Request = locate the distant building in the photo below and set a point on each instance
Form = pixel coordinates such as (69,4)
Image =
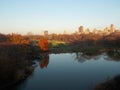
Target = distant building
(87,31)
(112,28)
(100,32)
(95,31)
(117,31)
(109,30)
(29,33)
(46,33)
(106,31)
(81,29)
(64,32)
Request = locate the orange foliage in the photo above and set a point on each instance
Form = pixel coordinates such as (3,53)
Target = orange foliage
(43,43)
(18,39)
(44,63)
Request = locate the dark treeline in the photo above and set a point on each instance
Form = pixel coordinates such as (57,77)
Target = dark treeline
(86,42)
(76,42)
(96,43)
(16,55)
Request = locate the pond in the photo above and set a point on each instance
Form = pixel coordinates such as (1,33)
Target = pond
(70,71)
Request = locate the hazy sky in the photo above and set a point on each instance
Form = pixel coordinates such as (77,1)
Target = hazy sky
(22,16)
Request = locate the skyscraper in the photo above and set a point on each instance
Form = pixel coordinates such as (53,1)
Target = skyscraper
(112,28)
(81,29)
(46,33)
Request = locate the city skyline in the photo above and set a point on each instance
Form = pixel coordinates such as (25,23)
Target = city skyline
(22,16)
(82,30)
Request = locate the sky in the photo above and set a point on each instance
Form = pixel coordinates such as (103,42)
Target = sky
(57,16)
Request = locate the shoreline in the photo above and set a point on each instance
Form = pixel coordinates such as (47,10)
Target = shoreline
(10,85)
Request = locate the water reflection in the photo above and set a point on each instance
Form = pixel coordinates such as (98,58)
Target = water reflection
(96,69)
(44,60)
(79,57)
(82,57)
(65,74)
(113,55)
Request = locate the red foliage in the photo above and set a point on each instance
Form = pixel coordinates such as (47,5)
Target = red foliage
(43,43)
(44,63)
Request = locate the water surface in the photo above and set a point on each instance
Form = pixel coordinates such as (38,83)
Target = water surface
(70,71)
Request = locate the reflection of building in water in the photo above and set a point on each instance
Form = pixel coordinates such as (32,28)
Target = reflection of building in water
(45,60)
(113,55)
(93,57)
(80,58)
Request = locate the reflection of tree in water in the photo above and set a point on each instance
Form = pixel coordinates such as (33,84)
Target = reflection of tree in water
(82,57)
(79,57)
(44,61)
(113,55)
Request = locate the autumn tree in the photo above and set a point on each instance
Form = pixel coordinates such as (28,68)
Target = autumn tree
(43,43)
(18,39)
(45,60)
